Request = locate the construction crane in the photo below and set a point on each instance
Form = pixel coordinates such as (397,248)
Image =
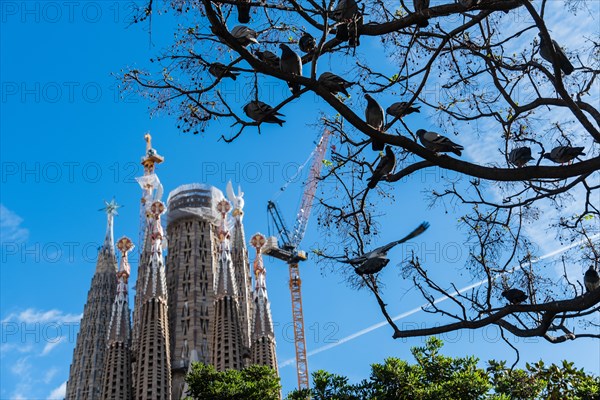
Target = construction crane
(290,253)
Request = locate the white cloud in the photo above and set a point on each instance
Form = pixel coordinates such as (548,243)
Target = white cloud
(32,316)
(51,345)
(10,226)
(51,373)
(21,367)
(58,393)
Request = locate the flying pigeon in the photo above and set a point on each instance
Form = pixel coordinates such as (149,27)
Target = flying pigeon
(384,168)
(401,109)
(564,154)
(262,112)
(372,265)
(292,64)
(268,57)
(514,296)
(420,6)
(383,250)
(520,156)
(219,70)
(374,117)
(438,143)
(244,35)
(563,61)
(243,12)
(307,43)
(334,83)
(591,279)
(345,10)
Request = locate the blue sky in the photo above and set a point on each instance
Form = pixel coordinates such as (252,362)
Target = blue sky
(69,141)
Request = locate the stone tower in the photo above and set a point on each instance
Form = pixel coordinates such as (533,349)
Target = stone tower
(263,337)
(86,374)
(192,228)
(227,340)
(241,268)
(153,359)
(151,191)
(117,382)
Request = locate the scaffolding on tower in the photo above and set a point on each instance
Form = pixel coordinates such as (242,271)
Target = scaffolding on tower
(290,253)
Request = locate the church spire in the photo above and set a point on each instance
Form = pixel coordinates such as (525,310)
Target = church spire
(227,342)
(263,336)
(111,211)
(86,373)
(117,381)
(152,354)
(241,265)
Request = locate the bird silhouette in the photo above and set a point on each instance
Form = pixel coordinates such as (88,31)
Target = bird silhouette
(384,168)
(290,63)
(438,143)
(219,70)
(563,61)
(244,35)
(307,43)
(383,250)
(401,109)
(564,154)
(262,112)
(591,279)
(520,156)
(374,117)
(514,296)
(334,83)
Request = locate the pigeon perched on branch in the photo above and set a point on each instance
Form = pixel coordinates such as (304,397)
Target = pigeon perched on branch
(514,296)
(564,154)
(291,63)
(591,279)
(401,109)
(420,6)
(383,250)
(345,10)
(243,12)
(219,70)
(244,35)
(520,156)
(384,168)
(374,117)
(438,143)
(307,43)
(563,61)
(334,83)
(268,57)
(262,112)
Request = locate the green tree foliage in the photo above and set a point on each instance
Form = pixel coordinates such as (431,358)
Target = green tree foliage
(435,376)
(253,383)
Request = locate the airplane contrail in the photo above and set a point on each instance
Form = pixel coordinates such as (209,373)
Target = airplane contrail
(436,301)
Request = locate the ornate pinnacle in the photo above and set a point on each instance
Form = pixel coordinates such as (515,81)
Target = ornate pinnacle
(223,208)
(125,245)
(258,241)
(151,157)
(111,211)
(156,210)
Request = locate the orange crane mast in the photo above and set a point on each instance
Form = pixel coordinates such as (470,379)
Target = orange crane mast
(290,253)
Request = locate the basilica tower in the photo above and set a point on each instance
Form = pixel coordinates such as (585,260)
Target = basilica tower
(86,374)
(227,343)
(263,337)
(117,382)
(153,361)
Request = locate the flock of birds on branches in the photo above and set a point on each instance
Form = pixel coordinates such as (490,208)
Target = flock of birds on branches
(348,16)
